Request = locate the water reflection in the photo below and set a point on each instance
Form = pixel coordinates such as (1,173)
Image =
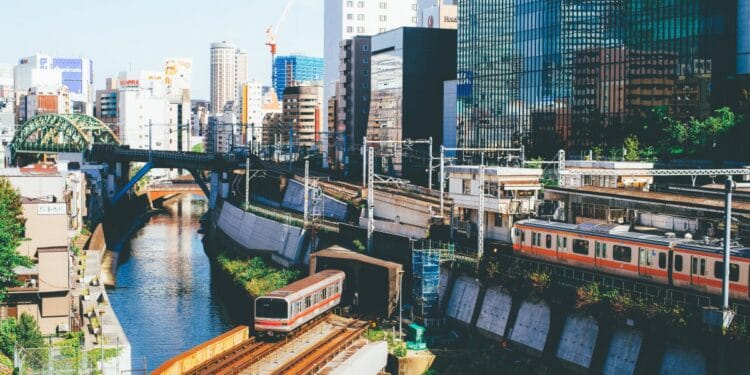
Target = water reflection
(165,298)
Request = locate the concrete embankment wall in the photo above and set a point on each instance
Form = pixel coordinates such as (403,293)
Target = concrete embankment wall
(285,243)
(203,353)
(294,199)
(572,340)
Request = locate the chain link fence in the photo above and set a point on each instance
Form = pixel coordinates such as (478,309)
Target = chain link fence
(64,360)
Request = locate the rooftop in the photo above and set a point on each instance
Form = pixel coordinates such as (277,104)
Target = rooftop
(496,171)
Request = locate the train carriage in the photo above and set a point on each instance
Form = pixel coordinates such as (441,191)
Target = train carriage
(282,311)
(613,249)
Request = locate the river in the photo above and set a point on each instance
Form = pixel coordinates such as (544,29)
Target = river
(166,299)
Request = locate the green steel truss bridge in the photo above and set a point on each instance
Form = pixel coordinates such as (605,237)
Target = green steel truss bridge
(54,133)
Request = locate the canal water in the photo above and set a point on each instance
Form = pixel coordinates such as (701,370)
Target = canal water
(166,299)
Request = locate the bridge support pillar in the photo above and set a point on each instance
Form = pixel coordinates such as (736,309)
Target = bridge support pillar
(142,172)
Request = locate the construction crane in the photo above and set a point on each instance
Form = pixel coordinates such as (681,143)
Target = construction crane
(271,32)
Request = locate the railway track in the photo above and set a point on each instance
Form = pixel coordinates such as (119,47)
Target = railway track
(315,358)
(248,352)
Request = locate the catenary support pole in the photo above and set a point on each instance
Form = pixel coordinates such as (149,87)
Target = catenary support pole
(305,211)
(429,176)
(370,200)
(480,216)
(728,186)
(442,179)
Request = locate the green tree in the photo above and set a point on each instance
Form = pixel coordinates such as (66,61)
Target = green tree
(8,336)
(199,148)
(28,333)
(11,235)
(632,148)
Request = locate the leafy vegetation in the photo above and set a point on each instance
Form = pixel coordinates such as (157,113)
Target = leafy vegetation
(395,346)
(255,275)
(199,148)
(11,235)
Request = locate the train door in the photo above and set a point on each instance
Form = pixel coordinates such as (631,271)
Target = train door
(697,269)
(642,261)
(597,253)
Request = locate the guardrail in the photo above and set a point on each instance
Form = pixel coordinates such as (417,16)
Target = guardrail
(204,352)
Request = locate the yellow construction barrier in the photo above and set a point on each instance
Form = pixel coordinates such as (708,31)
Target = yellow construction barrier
(203,353)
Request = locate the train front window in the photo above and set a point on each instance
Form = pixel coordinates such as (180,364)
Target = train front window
(270,308)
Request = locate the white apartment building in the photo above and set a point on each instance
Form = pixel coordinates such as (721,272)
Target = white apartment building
(228,72)
(347,18)
(36,71)
(251,114)
(149,109)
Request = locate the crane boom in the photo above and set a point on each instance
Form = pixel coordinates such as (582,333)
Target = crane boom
(272,30)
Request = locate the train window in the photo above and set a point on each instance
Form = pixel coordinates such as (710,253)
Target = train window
(621,253)
(604,250)
(734,271)
(699,270)
(644,257)
(565,243)
(324,293)
(598,249)
(549,241)
(581,247)
(523,236)
(308,302)
(678,263)
(662,260)
(271,308)
(517,232)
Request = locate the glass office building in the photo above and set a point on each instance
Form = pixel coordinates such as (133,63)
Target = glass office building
(295,69)
(551,74)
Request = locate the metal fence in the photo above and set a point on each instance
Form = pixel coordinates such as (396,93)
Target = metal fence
(65,360)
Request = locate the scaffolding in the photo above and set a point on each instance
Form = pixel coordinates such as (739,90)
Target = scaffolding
(426,260)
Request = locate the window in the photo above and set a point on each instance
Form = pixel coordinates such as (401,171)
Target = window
(349,4)
(562,242)
(678,263)
(581,247)
(498,220)
(365,60)
(621,253)
(699,267)
(349,16)
(324,293)
(548,241)
(597,249)
(349,29)
(604,250)
(308,302)
(383,5)
(360,4)
(271,308)
(645,258)
(523,236)
(360,29)
(662,260)
(734,271)
(360,17)
(383,18)
(466,185)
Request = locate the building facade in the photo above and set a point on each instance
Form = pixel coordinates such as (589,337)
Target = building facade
(439,14)
(38,101)
(302,114)
(353,100)
(78,76)
(345,19)
(409,66)
(251,112)
(554,74)
(294,69)
(228,71)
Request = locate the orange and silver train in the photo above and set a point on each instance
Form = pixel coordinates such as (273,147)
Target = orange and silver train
(282,311)
(611,248)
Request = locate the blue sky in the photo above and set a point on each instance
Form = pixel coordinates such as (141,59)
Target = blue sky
(138,34)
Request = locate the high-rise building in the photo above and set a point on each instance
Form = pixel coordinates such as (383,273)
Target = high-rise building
(78,76)
(228,71)
(597,65)
(353,100)
(409,66)
(7,106)
(294,69)
(105,105)
(251,112)
(303,112)
(438,14)
(344,19)
(38,101)
(743,37)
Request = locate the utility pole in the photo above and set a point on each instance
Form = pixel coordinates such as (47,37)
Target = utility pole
(364,161)
(480,216)
(429,177)
(370,200)
(247,181)
(306,213)
(728,186)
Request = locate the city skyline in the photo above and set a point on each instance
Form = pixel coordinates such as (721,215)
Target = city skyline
(153,37)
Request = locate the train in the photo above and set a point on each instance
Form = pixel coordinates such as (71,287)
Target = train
(283,311)
(681,262)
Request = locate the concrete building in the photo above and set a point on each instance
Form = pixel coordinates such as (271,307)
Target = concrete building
(303,112)
(510,194)
(199,112)
(352,100)
(38,101)
(153,113)
(438,14)
(36,71)
(7,109)
(228,71)
(294,69)
(78,76)
(345,19)
(409,66)
(251,112)
(106,103)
